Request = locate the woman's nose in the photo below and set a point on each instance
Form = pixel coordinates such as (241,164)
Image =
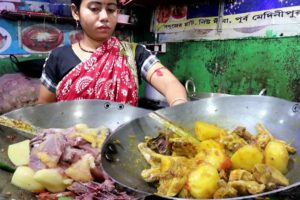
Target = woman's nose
(103,15)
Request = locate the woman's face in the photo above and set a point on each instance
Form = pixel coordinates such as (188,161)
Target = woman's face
(98,18)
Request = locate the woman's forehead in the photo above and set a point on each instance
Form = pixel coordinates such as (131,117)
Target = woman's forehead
(100,1)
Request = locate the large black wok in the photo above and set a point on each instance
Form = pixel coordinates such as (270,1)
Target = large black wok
(281,118)
(94,113)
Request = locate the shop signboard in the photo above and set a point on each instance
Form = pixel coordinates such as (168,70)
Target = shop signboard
(240,19)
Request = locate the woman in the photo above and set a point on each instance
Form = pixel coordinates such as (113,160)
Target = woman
(100,66)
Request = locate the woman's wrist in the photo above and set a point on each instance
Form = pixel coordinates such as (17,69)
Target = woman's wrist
(178,101)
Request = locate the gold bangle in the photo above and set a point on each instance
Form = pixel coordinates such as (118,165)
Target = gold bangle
(179,99)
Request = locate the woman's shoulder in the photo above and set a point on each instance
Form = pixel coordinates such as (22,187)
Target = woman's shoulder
(136,48)
(128,45)
(62,50)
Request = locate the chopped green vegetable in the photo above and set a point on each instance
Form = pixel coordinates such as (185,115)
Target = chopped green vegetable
(6,167)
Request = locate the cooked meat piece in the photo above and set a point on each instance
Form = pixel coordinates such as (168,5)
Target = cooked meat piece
(76,141)
(51,149)
(243,133)
(160,144)
(269,176)
(240,174)
(181,147)
(98,174)
(222,183)
(232,142)
(40,137)
(169,166)
(247,187)
(185,193)
(94,190)
(171,186)
(72,155)
(34,162)
(240,183)
(223,175)
(165,168)
(263,136)
(225,191)
(89,149)
(166,144)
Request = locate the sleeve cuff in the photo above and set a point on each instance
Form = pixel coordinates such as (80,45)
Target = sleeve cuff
(48,82)
(149,62)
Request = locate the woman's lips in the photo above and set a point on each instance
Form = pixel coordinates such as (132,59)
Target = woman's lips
(103,28)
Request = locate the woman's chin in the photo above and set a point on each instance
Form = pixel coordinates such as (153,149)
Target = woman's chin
(102,38)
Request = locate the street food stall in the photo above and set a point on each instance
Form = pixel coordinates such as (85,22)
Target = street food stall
(237,137)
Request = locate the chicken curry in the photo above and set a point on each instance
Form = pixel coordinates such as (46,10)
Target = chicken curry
(217,164)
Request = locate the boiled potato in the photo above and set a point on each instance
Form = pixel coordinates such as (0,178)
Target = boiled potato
(81,127)
(247,157)
(23,178)
(215,157)
(205,131)
(81,170)
(19,153)
(51,179)
(210,144)
(202,181)
(276,155)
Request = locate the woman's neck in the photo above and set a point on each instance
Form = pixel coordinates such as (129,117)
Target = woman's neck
(90,44)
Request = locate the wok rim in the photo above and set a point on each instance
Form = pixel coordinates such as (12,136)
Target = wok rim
(282,189)
(67,102)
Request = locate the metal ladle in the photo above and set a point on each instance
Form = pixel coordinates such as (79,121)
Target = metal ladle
(169,125)
(26,129)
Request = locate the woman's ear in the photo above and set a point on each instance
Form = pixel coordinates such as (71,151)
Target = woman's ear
(75,12)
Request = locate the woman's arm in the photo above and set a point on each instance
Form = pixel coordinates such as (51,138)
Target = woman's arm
(46,96)
(167,84)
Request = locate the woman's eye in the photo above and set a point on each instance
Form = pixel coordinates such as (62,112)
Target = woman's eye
(95,9)
(111,10)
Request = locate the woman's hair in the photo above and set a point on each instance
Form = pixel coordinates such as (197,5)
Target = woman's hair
(78,2)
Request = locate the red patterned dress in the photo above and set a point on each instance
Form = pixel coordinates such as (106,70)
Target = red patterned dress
(106,75)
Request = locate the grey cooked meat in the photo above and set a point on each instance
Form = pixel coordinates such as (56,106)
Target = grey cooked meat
(61,149)
(94,191)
